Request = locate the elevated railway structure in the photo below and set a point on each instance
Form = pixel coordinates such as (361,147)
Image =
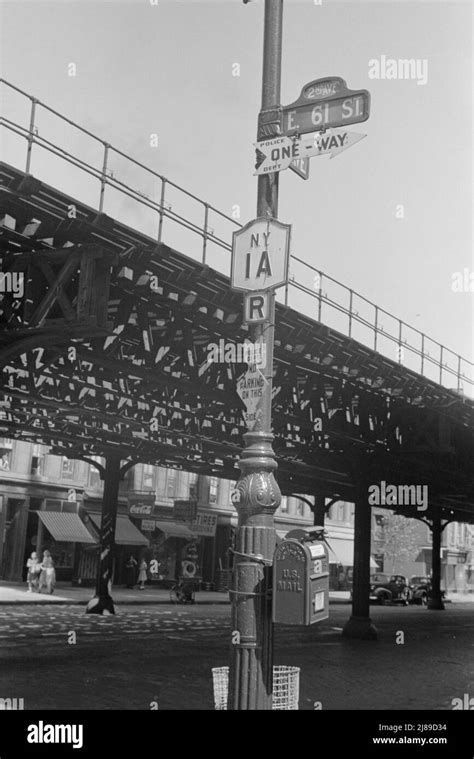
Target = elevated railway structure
(106,353)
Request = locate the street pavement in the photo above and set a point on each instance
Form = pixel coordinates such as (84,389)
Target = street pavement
(57,657)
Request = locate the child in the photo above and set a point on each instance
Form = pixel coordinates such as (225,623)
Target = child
(142,576)
(48,573)
(34,569)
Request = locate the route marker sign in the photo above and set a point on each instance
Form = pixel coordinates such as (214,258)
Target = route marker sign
(256,307)
(325,103)
(280,152)
(260,255)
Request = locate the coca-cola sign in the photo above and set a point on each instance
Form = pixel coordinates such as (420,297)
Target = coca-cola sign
(141,509)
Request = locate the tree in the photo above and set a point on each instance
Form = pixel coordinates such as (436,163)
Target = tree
(398,541)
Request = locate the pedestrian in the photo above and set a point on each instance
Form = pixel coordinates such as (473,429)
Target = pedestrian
(48,573)
(142,576)
(130,571)
(34,568)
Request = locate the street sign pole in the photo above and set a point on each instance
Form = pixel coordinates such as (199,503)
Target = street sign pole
(250,676)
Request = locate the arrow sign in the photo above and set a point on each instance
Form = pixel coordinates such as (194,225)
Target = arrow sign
(281,151)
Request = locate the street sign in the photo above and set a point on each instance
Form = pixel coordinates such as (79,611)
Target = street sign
(250,387)
(281,152)
(185,510)
(325,103)
(260,255)
(301,167)
(256,307)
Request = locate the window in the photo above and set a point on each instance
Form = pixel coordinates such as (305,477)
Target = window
(94,474)
(193,486)
(340,512)
(67,468)
(299,511)
(170,483)
(6,446)
(148,477)
(37,460)
(213,485)
(284,504)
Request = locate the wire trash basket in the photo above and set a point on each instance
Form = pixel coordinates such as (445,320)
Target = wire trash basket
(285,693)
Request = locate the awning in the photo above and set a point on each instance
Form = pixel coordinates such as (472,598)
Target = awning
(126,534)
(174,530)
(342,552)
(66,527)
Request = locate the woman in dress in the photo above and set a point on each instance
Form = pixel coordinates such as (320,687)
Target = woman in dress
(48,573)
(142,575)
(130,569)
(34,568)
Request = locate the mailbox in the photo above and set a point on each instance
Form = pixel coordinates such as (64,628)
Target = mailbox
(301,578)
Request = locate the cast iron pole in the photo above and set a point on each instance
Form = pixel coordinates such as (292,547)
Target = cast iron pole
(250,676)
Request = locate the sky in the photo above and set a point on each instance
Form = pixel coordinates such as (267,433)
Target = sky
(390,218)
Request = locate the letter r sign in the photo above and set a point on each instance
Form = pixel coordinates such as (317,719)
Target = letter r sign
(256,307)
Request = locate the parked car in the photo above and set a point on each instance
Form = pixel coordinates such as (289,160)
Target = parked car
(389,589)
(420,587)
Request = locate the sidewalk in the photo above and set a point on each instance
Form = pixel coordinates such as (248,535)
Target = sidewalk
(65,593)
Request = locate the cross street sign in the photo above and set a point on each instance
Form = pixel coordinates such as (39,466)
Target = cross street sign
(325,103)
(280,152)
(260,255)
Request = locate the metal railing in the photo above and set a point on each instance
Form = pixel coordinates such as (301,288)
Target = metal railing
(402,342)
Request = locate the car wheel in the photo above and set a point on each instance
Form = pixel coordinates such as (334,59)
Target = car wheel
(383,599)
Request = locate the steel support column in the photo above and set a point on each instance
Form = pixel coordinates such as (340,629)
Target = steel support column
(319,510)
(251,669)
(102,602)
(360,625)
(435,600)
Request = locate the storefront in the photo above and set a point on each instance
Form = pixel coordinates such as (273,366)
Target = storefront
(129,541)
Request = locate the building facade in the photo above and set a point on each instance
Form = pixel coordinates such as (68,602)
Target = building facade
(52,502)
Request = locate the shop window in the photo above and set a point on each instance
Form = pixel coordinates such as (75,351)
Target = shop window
(148,477)
(67,468)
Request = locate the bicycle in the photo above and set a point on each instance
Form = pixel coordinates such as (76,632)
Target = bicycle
(183,591)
